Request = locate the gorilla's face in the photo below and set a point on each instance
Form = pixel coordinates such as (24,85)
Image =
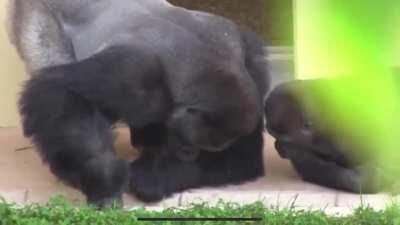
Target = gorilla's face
(292,123)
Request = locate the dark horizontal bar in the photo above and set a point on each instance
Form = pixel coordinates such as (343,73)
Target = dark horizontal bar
(200,219)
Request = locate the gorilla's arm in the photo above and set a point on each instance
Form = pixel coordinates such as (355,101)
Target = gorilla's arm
(314,152)
(68,111)
(124,82)
(328,173)
(363,178)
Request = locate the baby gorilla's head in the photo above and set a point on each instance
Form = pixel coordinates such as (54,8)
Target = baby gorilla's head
(292,119)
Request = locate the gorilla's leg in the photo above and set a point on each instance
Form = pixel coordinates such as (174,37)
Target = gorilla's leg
(74,138)
(68,111)
(155,177)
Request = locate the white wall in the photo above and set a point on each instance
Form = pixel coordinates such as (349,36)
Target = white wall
(11,75)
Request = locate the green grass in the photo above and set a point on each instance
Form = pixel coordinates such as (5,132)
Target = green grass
(59,212)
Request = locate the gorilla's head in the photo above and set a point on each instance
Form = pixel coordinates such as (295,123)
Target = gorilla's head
(224,106)
(292,119)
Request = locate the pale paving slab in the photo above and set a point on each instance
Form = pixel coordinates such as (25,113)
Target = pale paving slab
(306,199)
(131,202)
(44,194)
(214,196)
(282,199)
(376,201)
(13,196)
(339,211)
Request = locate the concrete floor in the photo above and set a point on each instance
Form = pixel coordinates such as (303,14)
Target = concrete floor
(25,179)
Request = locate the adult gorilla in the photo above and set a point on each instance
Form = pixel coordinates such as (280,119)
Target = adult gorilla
(189,84)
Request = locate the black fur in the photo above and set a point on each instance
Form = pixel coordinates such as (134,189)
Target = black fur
(295,117)
(210,136)
(156,176)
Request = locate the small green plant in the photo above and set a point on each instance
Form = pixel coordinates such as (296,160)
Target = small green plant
(59,212)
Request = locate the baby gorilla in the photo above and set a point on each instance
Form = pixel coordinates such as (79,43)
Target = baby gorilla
(295,118)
